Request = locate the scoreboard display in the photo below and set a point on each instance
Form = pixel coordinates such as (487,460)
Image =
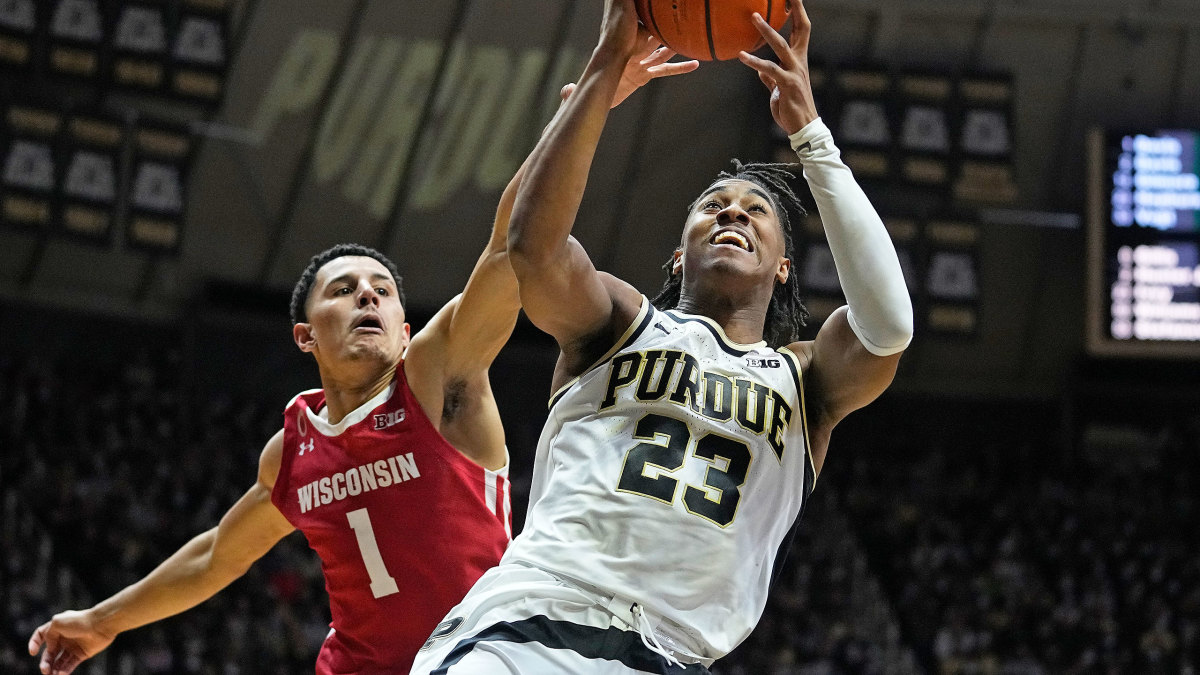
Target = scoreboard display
(1144,244)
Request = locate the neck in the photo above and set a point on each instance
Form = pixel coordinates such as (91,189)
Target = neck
(345,394)
(743,322)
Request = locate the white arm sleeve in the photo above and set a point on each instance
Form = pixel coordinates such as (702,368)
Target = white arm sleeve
(880,311)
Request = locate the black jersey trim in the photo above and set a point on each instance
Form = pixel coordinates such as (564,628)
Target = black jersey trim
(645,314)
(785,546)
(728,346)
(590,642)
(793,362)
(793,365)
(809,482)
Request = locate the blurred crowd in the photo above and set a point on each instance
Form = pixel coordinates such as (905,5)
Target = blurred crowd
(105,473)
(1007,554)
(987,549)
(827,614)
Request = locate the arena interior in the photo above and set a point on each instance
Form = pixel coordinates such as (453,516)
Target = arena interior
(1022,501)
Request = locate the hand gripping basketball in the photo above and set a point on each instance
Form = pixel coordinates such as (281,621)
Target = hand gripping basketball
(709,29)
(649,62)
(792,103)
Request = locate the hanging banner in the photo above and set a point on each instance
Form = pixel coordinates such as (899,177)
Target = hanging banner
(140,44)
(925,135)
(985,140)
(75,39)
(158,187)
(18,33)
(865,129)
(952,276)
(200,54)
(29,166)
(91,176)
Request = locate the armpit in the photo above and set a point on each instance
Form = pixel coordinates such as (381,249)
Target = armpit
(454,399)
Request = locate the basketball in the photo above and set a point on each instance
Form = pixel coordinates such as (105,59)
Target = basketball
(710,30)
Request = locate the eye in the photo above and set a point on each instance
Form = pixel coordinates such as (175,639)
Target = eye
(711,204)
(758,207)
(344,290)
(382,291)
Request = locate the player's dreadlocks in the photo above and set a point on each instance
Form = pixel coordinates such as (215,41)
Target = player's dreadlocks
(786,313)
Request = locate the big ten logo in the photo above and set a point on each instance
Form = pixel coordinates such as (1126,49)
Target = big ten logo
(482,122)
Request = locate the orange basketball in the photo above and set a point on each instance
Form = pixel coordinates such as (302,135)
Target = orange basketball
(710,29)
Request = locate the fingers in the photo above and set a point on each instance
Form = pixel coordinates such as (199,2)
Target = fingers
(801,26)
(647,44)
(67,663)
(763,67)
(780,46)
(657,56)
(669,69)
(38,638)
(768,81)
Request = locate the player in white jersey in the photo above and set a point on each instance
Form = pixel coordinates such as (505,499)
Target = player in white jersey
(683,438)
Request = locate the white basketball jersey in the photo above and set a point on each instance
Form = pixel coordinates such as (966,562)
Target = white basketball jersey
(671,473)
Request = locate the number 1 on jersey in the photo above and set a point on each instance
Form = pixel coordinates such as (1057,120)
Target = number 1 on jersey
(382,583)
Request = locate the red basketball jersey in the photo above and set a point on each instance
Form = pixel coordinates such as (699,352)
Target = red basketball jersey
(404,524)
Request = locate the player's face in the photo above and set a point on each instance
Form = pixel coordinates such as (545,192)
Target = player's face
(734,229)
(354,313)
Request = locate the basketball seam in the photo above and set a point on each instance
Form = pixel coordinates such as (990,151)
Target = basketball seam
(712,49)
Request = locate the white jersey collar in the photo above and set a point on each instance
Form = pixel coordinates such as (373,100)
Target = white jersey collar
(320,420)
(716,327)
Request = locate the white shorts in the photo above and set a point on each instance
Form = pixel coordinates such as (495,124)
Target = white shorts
(523,620)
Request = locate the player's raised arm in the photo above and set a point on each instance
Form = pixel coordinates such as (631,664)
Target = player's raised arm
(479,321)
(463,339)
(561,291)
(854,356)
(203,566)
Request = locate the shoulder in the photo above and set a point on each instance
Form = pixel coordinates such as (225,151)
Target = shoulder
(630,309)
(627,300)
(433,335)
(270,460)
(628,305)
(802,350)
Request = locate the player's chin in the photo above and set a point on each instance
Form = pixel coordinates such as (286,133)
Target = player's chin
(733,262)
(369,350)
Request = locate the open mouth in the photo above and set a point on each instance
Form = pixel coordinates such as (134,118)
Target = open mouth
(369,324)
(730,237)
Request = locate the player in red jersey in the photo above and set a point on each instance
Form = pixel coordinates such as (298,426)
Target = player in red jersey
(395,470)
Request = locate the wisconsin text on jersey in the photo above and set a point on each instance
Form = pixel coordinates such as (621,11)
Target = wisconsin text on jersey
(336,487)
(756,407)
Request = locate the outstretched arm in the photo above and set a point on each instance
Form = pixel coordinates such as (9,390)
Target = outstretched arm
(199,569)
(561,291)
(480,320)
(460,343)
(854,357)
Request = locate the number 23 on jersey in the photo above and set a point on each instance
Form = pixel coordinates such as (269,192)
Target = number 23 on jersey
(664,447)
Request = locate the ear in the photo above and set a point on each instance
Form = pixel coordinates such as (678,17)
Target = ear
(677,264)
(784,271)
(302,333)
(406,338)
